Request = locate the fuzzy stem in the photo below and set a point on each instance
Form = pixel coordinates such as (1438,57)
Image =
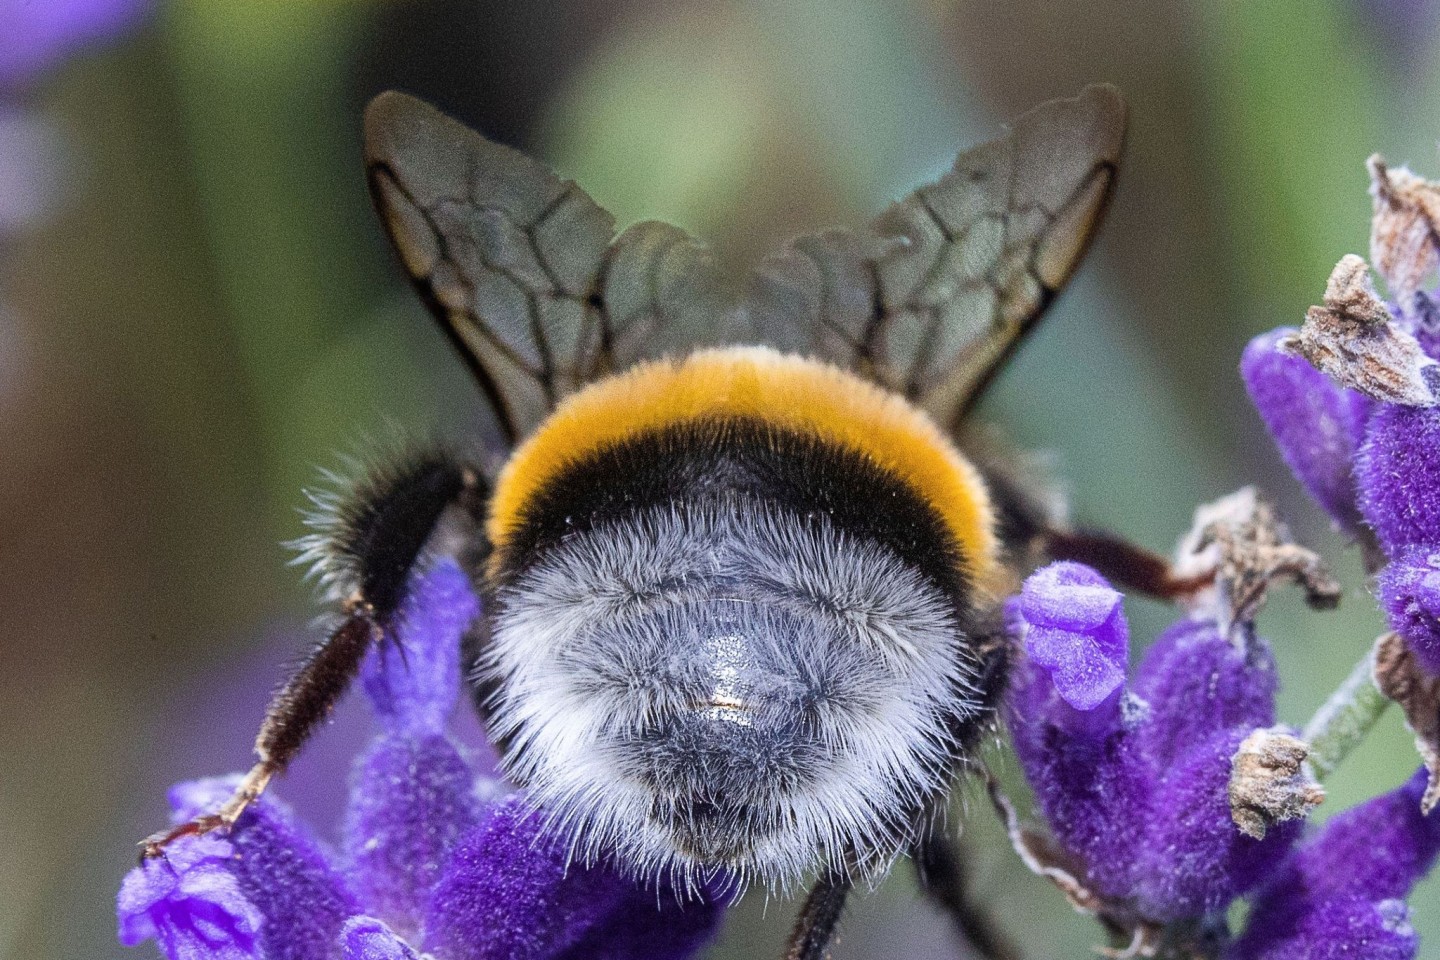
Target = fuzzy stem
(1345,718)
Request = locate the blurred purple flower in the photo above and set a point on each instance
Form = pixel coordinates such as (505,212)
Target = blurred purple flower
(32,154)
(433,858)
(1406,27)
(1341,893)
(36,34)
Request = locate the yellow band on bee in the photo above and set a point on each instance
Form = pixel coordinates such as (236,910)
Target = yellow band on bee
(789,391)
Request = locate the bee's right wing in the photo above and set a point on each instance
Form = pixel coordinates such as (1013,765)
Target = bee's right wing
(933,298)
(522,269)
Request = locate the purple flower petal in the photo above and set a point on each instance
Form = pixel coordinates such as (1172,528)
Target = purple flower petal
(413,679)
(1076,631)
(1397,470)
(1409,591)
(1316,424)
(281,870)
(1198,684)
(1193,858)
(510,892)
(365,938)
(34,34)
(191,903)
(1068,596)
(411,802)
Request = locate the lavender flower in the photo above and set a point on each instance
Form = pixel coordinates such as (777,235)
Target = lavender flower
(434,859)
(1341,894)
(1369,459)
(1134,782)
(1316,424)
(1397,468)
(1409,591)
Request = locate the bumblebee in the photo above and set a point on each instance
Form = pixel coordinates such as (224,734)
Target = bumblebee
(740,581)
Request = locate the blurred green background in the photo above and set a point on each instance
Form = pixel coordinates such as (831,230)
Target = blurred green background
(206,313)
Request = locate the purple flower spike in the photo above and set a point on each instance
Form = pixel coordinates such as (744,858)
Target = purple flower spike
(413,800)
(1346,885)
(1076,630)
(1316,424)
(413,679)
(1198,683)
(1410,594)
(280,869)
(1194,860)
(1397,470)
(190,903)
(1091,784)
(365,938)
(510,893)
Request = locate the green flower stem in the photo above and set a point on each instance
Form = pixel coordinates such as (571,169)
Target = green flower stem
(1345,718)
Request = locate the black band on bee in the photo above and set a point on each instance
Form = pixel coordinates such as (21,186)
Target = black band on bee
(801,472)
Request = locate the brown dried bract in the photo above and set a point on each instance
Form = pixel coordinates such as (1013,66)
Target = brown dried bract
(1354,341)
(1401,678)
(1269,782)
(1242,538)
(1404,242)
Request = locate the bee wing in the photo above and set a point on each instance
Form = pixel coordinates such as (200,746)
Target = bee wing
(937,293)
(521,268)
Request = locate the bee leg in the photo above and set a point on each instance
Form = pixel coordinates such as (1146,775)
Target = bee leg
(940,868)
(1031,525)
(374,534)
(819,916)
(1124,562)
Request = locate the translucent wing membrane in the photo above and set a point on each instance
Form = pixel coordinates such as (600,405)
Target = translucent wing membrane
(526,274)
(522,268)
(931,299)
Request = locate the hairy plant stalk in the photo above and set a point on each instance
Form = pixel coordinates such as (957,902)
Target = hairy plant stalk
(1345,718)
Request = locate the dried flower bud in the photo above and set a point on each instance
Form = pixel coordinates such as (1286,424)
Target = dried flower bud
(1354,341)
(1241,538)
(1269,782)
(1399,676)
(1404,226)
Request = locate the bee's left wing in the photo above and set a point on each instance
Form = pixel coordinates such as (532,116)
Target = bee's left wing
(933,298)
(522,269)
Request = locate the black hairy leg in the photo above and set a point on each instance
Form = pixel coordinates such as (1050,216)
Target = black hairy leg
(941,870)
(819,916)
(370,538)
